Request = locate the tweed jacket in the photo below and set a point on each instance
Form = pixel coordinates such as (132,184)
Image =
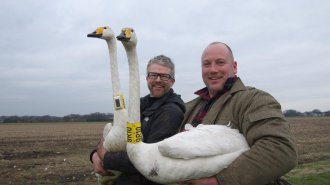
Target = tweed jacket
(258,116)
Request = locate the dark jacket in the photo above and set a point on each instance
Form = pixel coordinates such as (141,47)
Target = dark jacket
(160,118)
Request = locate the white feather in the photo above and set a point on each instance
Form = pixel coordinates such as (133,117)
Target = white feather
(203,141)
(161,169)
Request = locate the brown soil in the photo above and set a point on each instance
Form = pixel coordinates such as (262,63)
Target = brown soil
(58,153)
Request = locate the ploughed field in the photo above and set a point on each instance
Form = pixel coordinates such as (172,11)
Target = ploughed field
(47,153)
(58,153)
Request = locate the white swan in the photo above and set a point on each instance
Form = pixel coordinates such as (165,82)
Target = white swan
(165,162)
(113,134)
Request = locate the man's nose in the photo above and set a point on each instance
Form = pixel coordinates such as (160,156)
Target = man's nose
(158,78)
(213,67)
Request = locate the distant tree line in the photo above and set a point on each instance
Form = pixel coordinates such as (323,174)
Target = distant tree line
(93,117)
(97,116)
(313,113)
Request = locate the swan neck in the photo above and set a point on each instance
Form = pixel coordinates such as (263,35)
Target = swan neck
(134,133)
(114,67)
(134,85)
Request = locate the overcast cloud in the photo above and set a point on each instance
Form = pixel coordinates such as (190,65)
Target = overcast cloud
(50,67)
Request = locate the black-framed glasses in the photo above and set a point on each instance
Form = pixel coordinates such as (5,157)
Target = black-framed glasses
(163,77)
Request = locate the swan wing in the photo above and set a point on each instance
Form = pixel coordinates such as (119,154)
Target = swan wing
(115,139)
(203,141)
(107,129)
(164,170)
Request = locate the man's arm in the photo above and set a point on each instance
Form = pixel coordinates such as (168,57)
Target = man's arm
(104,161)
(96,157)
(271,156)
(98,165)
(273,150)
(203,181)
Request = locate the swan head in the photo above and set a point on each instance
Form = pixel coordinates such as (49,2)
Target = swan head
(104,32)
(128,37)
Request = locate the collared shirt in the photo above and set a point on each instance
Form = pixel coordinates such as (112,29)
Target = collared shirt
(208,101)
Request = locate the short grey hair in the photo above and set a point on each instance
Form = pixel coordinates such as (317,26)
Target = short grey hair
(164,61)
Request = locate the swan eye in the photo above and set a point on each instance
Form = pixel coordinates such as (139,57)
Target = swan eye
(105,27)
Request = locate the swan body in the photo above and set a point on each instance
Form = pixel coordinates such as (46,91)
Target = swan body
(212,140)
(172,160)
(188,159)
(113,133)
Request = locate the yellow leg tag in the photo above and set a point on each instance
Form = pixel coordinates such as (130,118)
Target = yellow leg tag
(119,102)
(134,134)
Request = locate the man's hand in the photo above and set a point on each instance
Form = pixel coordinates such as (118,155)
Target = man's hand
(98,165)
(100,149)
(204,181)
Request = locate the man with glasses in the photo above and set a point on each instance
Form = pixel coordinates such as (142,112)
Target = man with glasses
(160,76)
(162,112)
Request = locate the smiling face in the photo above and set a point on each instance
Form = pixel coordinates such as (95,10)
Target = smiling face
(217,66)
(157,86)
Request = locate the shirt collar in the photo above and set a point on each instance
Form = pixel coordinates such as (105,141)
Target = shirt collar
(204,93)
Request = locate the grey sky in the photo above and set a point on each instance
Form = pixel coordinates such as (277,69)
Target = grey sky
(49,66)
